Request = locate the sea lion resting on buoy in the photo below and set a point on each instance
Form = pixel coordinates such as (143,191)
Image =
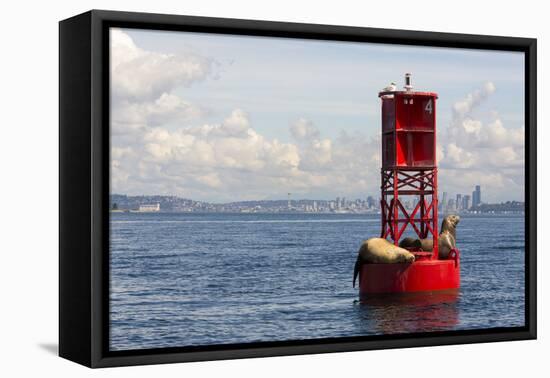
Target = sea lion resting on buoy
(446,240)
(380,251)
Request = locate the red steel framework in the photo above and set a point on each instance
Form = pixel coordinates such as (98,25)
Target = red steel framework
(409,165)
(409,171)
(422,184)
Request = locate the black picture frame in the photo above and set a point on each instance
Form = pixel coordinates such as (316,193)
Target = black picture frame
(84,186)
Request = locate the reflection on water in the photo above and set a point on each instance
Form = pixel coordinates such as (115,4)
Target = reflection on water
(410,312)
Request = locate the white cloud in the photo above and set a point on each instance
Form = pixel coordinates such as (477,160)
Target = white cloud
(458,157)
(231,161)
(316,153)
(142,84)
(165,109)
(464,107)
(229,145)
(235,125)
(475,152)
(141,75)
(304,130)
(209,157)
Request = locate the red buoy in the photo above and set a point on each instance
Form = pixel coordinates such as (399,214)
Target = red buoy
(409,171)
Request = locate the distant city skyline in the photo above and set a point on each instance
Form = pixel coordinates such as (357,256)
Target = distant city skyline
(339,205)
(228,118)
(462,202)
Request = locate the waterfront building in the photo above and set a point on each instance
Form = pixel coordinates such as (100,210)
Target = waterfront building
(149,208)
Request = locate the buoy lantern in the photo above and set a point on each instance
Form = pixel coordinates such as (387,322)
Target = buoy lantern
(409,171)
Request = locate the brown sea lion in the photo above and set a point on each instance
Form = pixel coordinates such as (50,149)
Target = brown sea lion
(446,240)
(411,243)
(447,237)
(380,251)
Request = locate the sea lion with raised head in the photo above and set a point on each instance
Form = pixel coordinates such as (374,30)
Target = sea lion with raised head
(446,240)
(380,251)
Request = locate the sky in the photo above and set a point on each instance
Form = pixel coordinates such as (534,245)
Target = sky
(225,118)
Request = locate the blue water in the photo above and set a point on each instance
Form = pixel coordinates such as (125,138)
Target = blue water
(201,279)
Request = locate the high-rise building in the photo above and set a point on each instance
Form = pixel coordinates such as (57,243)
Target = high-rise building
(371,203)
(444,202)
(337,203)
(451,205)
(466,202)
(459,202)
(476,196)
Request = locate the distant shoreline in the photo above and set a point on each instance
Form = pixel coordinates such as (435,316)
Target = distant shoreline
(340,205)
(370,214)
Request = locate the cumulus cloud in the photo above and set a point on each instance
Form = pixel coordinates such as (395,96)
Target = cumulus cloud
(142,85)
(161,143)
(141,75)
(304,130)
(165,109)
(221,147)
(210,157)
(475,152)
(236,124)
(231,160)
(316,152)
(465,106)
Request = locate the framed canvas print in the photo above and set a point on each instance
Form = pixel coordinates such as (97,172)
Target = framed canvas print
(234,188)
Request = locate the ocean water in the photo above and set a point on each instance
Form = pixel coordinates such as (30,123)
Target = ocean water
(201,279)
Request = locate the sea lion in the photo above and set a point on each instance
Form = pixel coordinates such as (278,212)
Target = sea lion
(411,243)
(380,251)
(446,240)
(447,237)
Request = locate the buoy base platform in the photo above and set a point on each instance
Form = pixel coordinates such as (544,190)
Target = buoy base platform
(422,275)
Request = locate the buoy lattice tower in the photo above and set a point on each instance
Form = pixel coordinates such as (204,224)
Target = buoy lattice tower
(409,166)
(409,173)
